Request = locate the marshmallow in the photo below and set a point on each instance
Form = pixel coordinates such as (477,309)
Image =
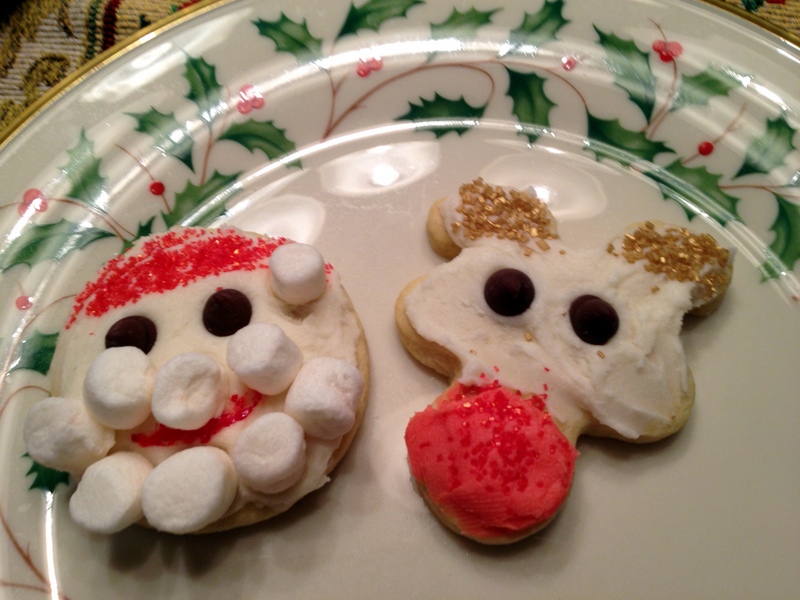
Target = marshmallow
(188,391)
(298,273)
(264,358)
(325,396)
(117,387)
(270,454)
(189,490)
(109,495)
(61,434)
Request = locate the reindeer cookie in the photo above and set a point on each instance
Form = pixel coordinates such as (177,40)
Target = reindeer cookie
(206,379)
(543,343)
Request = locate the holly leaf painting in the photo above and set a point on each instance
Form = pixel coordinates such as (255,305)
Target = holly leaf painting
(539,27)
(697,90)
(786,227)
(290,36)
(260,135)
(52,241)
(530,104)
(631,69)
(194,204)
(723,206)
(36,352)
(612,133)
(462,24)
(45,479)
(83,173)
(169,136)
(143,230)
(450,114)
(374,13)
(204,90)
(768,151)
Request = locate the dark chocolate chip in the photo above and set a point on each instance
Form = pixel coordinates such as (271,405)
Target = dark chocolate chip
(135,331)
(594,320)
(226,312)
(509,292)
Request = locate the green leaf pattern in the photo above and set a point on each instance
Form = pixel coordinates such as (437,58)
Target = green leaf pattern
(631,69)
(462,24)
(169,136)
(290,36)
(542,26)
(767,151)
(374,13)
(530,103)
(36,352)
(83,173)
(450,113)
(260,135)
(698,89)
(46,479)
(194,203)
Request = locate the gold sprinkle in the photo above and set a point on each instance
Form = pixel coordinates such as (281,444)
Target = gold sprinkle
(528,336)
(600,354)
(655,289)
(491,211)
(679,254)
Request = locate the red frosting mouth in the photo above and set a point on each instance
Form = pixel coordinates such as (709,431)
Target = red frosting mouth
(492,460)
(237,409)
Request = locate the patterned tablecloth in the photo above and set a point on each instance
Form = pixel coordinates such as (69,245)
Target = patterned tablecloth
(43,41)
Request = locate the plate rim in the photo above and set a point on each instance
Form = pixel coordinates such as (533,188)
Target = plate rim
(142,36)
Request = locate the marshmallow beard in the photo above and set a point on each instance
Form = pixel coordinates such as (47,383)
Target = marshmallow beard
(237,388)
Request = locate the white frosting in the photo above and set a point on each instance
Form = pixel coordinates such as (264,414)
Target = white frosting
(632,384)
(324,397)
(298,273)
(118,387)
(109,495)
(188,391)
(61,433)
(264,357)
(189,490)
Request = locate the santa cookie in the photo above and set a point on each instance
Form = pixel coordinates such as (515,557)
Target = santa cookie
(206,379)
(543,343)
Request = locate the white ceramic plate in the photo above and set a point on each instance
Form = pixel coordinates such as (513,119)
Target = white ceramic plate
(339,124)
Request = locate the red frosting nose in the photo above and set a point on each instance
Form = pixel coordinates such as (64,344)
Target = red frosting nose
(492,462)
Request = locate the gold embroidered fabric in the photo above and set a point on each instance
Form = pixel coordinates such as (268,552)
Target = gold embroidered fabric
(42,41)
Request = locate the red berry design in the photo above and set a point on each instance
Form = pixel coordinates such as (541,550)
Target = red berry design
(368,65)
(249,99)
(157,188)
(33,200)
(23,302)
(667,51)
(705,148)
(568,63)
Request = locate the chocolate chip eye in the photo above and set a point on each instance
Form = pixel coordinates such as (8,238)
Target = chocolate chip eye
(136,331)
(226,312)
(509,292)
(594,320)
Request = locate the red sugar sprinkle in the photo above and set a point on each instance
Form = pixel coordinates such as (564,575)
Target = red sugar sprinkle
(239,409)
(168,261)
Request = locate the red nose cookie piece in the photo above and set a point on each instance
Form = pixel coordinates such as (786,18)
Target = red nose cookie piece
(493,462)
